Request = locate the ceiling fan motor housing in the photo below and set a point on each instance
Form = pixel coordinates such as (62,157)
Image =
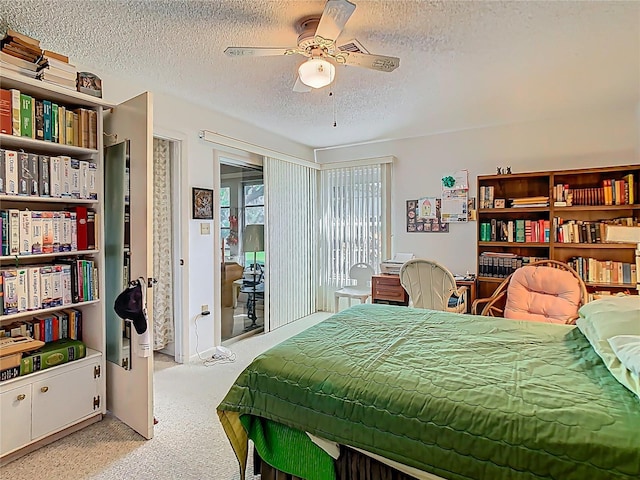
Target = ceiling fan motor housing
(307,27)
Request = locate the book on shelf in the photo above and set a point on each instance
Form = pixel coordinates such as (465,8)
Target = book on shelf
(9,361)
(55,56)
(5,112)
(11,172)
(16,111)
(22,38)
(530,202)
(26,116)
(604,272)
(38,287)
(501,264)
(9,373)
(15,64)
(46,120)
(2,172)
(52,354)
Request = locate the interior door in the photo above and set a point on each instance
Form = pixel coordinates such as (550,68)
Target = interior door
(130,391)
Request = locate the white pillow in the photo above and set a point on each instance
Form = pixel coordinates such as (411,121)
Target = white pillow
(610,317)
(627,349)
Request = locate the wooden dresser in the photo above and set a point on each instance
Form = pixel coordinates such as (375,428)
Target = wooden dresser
(387,289)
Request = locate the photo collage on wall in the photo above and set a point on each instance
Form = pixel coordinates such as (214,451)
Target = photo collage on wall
(423,215)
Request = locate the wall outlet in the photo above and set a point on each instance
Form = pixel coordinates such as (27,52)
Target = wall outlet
(205,228)
(205,308)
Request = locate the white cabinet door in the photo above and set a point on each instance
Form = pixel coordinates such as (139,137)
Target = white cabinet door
(15,415)
(130,392)
(62,400)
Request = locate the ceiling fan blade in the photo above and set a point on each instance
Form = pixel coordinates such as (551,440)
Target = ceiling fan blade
(300,87)
(256,51)
(374,62)
(335,16)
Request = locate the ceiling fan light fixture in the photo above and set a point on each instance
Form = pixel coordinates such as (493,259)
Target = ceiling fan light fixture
(317,72)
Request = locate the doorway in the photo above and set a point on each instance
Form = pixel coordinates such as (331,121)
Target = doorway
(167,290)
(242,218)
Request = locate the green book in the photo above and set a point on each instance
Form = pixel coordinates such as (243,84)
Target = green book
(54,123)
(52,354)
(26,116)
(47,114)
(520,231)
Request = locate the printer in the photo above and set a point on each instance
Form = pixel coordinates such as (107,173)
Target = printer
(392,266)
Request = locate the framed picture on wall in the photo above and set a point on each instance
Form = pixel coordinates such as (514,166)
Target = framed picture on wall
(202,203)
(423,216)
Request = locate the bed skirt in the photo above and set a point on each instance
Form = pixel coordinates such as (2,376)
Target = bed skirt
(351,465)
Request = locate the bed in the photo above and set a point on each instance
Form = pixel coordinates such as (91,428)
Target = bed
(449,395)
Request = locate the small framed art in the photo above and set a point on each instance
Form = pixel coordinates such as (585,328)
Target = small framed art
(202,203)
(499,203)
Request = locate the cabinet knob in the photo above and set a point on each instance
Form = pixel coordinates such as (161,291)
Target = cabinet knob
(22,396)
(44,389)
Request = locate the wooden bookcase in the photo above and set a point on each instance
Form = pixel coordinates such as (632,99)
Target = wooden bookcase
(586,208)
(41,405)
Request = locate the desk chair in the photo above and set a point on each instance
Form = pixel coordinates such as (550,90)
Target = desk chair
(431,285)
(361,273)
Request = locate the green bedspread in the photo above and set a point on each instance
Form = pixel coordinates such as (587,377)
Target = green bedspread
(460,396)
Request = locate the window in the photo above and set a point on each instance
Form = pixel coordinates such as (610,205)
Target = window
(253,202)
(355,223)
(225,225)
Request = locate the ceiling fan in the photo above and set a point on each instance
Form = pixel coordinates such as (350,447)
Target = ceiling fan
(317,42)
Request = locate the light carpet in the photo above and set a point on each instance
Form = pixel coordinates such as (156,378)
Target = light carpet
(189,442)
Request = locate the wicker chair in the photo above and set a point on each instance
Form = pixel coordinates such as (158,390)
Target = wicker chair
(543,291)
(431,285)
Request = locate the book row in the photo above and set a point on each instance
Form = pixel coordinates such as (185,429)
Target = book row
(30,232)
(26,116)
(611,192)
(592,270)
(48,327)
(50,355)
(39,287)
(502,265)
(520,231)
(30,174)
(579,231)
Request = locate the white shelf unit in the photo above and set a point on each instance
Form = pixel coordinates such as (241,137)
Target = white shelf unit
(42,406)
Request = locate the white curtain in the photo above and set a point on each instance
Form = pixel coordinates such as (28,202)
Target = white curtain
(291,230)
(163,331)
(355,221)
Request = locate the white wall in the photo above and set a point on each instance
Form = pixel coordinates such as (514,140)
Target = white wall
(181,120)
(593,139)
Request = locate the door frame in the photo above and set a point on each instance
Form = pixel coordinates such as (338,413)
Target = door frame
(180,237)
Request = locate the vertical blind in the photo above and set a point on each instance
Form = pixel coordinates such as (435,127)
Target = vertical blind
(291,231)
(355,217)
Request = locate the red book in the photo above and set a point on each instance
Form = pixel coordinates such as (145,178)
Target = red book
(5,112)
(81,223)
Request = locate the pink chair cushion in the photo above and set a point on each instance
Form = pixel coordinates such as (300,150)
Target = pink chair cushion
(542,294)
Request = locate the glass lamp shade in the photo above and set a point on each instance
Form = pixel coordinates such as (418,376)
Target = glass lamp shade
(317,72)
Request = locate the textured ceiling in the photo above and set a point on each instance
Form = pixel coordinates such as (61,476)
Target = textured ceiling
(462,64)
